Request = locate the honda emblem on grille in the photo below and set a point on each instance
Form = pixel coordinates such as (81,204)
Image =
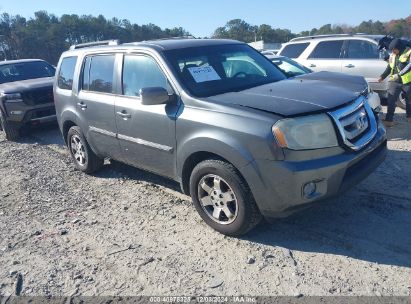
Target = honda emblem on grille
(361,121)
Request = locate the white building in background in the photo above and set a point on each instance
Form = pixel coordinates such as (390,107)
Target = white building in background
(261,45)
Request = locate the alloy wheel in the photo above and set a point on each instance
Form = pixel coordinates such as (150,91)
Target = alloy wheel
(217,199)
(78,150)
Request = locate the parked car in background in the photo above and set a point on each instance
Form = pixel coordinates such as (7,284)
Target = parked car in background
(351,54)
(292,68)
(217,116)
(269,52)
(26,95)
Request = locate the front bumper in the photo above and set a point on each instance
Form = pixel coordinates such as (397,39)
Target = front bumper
(277,186)
(19,113)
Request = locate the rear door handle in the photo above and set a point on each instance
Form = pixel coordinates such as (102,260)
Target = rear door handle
(312,65)
(350,66)
(124,114)
(82,105)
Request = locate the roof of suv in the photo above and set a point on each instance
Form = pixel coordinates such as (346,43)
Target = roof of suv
(163,44)
(170,44)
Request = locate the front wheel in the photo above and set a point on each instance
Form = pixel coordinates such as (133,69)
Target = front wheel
(222,198)
(84,158)
(12,133)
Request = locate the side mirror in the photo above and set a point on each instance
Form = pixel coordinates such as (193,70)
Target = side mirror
(384,55)
(154,96)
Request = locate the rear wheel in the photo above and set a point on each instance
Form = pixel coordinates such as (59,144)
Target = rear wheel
(84,158)
(222,198)
(12,133)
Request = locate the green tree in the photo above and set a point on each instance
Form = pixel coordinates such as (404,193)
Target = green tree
(237,29)
(46,36)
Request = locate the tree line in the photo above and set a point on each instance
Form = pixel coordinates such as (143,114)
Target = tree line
(240,30)
(46,36)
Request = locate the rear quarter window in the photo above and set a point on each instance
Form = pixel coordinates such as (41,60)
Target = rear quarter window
(327,50)
(66,73)
(294,50)
(361,49)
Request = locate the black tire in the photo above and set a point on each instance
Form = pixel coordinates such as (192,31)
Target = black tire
(247,214)
(89,161)
(12,133)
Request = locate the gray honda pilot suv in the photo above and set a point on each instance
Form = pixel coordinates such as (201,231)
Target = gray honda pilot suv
(242,139)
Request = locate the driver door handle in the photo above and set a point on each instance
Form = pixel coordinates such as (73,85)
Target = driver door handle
(124,114)
(82,105)
(350,66)
(312,65)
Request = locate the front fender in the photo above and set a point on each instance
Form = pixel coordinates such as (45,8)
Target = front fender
(220,144)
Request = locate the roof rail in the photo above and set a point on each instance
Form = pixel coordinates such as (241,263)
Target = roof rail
(320,36)
(332,35)
(96,43)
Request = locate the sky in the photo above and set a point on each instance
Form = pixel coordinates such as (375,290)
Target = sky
(201,18)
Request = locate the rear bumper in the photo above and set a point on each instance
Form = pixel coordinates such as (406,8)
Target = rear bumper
(278,186)
(377,86)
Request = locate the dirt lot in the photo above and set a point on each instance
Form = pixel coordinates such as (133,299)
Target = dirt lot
(127,232)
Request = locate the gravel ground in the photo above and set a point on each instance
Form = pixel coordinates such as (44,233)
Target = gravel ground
(126,232)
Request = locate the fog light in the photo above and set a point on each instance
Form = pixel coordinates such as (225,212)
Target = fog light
(309,189)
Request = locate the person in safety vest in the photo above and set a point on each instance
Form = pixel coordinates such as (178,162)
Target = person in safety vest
(399,72)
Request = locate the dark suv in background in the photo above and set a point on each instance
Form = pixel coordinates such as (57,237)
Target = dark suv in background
(26,95)
(219,117)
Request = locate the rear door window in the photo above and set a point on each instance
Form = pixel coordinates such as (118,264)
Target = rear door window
(66,73)
(362,49)
(294,50)
(98,73)
(327,50)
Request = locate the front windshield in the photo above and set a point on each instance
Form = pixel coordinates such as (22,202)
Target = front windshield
(290,67)
(25,70)
(212,70)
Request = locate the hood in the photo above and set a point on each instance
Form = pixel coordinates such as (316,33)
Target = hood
(315,92)
(26,85)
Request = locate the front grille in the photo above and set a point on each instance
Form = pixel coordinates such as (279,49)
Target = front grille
(38,96)
(356,123)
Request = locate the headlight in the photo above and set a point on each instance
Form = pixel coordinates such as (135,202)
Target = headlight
(374,101)
(12,97)
(304,133)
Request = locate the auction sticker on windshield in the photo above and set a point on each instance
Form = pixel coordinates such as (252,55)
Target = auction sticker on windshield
(203,74)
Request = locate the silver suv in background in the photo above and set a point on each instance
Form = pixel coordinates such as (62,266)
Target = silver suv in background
(350,54)
(220,118)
